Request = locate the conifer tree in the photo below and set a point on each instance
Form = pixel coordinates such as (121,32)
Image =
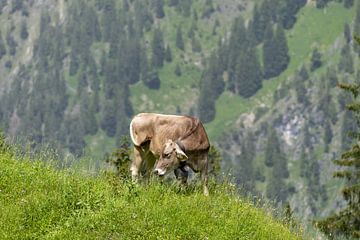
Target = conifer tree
(248,73)
(356,30)
(158,49)
(346,63)
(316,61)
(328,135)
(269,53)
(179,39)
(282,56)
(23,30)
(272,147)
(348,3)
(12,44)
(235,48)
(347,220)
(208,9)
(168,54)
(347,33)
(245,175)
(2,46)
(158,6)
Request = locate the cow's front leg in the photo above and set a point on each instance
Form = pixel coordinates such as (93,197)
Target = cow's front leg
(136,164)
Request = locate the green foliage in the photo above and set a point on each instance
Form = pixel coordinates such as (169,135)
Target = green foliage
(215,161)
(40,202)
(347,220)
(120,159)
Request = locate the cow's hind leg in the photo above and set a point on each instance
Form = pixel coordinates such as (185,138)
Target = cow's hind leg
(204,175)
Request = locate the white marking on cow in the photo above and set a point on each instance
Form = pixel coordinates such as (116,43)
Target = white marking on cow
(160,172)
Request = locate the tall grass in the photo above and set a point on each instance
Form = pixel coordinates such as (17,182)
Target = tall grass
(39,202)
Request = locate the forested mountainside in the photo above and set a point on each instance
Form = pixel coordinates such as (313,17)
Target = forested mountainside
(262,75)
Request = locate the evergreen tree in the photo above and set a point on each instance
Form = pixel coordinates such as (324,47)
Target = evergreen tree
(12,44)
(347,221)
(275,57)
(347,126)
(168,54)
(195,44)
(2,47)
(158,6)
(179,39)
(316,61)
(109,117)
(208,9)
(277,188)
(178,70)
(235,48)
(269,53)
(211,84)
(245,175)
(152,80)
(322,3)
(347,33)
(272,147)
(328,135)
(346,63)
(158,49)
(23,30)
(109,20)
(356,30)
(282,56)
(75,136)
(348,3)
(248,74)
(300,90)
(16,5)
(173,3)
(87,114)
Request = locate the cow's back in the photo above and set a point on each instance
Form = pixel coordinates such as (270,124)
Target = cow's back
(159,127)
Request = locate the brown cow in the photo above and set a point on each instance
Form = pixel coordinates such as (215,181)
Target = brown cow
(169,142)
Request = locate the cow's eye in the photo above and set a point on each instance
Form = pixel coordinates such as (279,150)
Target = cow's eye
(166,155)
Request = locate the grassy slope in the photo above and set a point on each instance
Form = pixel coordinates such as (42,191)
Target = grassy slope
(314,28)
(39,202)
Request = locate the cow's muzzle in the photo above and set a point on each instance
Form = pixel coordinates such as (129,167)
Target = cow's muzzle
(159,172)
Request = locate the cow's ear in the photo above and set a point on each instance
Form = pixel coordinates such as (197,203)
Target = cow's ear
(180,153)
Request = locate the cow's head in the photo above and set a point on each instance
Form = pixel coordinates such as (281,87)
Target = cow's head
(170,158)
